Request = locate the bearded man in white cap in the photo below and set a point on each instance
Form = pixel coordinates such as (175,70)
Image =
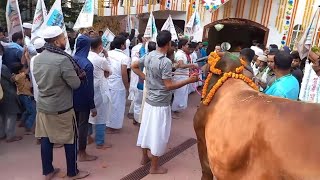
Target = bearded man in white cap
(57,75)
(27,38)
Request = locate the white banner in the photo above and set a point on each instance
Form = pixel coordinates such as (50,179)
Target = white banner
(107,37)
(193,28)
(169,26)
(39,15)
(13,17)
(55,18)
(151,29)
(85,18)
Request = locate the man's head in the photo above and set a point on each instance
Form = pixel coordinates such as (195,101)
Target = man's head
(296,61)
(96,45)
(152,46)
(27,29)
(164,40)
(124,34)
(39,44)
(247,54)
(273,46)
(183,44)
(140,38)
(100,33)
(2,35)
(282,61)
(18,38)
(54,36)
(119,42)
(192,47)
(217,48)
(262,62)
(92,34)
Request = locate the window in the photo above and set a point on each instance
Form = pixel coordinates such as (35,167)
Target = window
(296,35)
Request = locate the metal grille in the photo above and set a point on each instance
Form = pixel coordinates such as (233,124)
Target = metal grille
(144,170)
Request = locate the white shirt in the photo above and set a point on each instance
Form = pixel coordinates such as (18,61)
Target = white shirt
(32,50)
(194,57)
(127,50)
(100,65)
(34,84)
(135,52)
(117,58)
(181,56)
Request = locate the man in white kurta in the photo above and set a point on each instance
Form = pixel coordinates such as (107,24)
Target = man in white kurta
(27,39)
(101,92)
(183,60)
(118,84)
(135,56)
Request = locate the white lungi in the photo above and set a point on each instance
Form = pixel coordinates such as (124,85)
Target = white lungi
(117,105)
(180,100)
(155,129)
(137,105)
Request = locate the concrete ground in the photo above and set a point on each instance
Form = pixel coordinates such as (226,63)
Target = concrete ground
(21,160)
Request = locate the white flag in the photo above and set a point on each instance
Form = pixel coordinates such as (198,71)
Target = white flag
(107,37)
(193,28)
(39,15)
(169,26)
(55,18)
(151,29)
(85,18)
(13,17)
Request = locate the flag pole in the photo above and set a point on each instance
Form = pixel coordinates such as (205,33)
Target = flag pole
(314,31)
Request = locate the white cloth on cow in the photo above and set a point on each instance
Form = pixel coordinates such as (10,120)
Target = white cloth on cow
(180,99)
(155,129)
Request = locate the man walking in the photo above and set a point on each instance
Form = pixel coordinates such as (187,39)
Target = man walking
(57,75)
(156,116)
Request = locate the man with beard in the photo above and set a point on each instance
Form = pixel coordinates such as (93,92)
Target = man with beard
(57,75)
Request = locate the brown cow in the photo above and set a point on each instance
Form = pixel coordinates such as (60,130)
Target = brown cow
(246,135)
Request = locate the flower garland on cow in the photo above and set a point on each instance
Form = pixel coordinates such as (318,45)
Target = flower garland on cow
(213,59)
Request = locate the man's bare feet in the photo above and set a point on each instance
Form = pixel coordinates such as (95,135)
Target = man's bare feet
(21,124)
(52,175)
(104,146)
(57,145)
(159,170)
(112,131)
(28,132)
(83,156)
(145,160)
(90,140)
(13,139)
(130,116)
(80,175)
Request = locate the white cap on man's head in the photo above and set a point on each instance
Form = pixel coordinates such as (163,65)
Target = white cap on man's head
(39,43)
(263,58)
(27,25)
(257,50)
(51,32)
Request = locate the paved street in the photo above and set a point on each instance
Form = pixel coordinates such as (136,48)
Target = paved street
(21,160)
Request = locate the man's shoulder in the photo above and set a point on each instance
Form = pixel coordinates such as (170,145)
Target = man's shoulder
(50,57)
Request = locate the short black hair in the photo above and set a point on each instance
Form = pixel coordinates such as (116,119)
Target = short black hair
(273,51)
(95,42)
(118,41)
(163,38)
(193,45)
(295,55)
(124,34)
(112,46)
(16,36)
(182,42)
(16,67)
(274,46)
(248,54)
(140,36)
(174,44)
(152,46)
(283,60)
(100,32)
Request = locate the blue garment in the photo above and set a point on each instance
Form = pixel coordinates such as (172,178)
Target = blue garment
(285,87)
(29,115)
(203,52)
(142,53)
(83,97)
(12,54)
(100,133)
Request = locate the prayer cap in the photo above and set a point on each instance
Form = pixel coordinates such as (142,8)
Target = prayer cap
(205,43)
(39,43)
(263,58)
(27,25)
(51,32)
(257,50)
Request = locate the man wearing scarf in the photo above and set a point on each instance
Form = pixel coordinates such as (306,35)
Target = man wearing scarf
(57,75)
(83,97)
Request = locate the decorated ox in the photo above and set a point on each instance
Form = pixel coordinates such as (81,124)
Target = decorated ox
(246,135)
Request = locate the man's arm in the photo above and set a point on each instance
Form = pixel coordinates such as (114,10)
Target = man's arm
(90,93)
(172,85)
(135,67)
(69,74)
(124,74)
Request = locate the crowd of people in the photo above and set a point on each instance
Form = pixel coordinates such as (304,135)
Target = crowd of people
(74,100)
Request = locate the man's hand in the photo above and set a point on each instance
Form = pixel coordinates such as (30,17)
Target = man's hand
(194,66)
(105,53)
(93,112)
(194,78)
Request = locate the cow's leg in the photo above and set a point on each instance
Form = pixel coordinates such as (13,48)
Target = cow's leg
(199,127)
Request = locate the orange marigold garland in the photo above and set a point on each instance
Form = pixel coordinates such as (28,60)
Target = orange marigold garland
(212,61)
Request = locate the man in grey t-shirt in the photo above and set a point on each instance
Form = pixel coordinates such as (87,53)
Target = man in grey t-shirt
(156,115)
